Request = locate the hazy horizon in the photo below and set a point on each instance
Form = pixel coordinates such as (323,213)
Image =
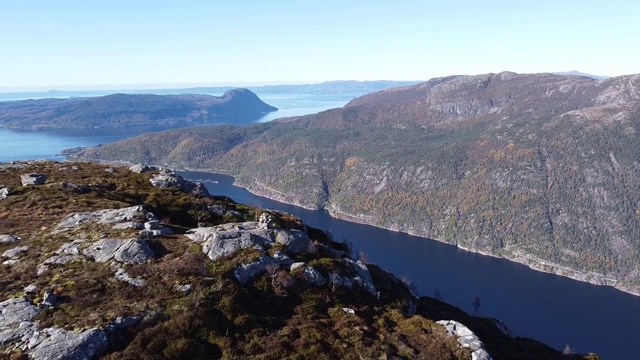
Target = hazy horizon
(66,44)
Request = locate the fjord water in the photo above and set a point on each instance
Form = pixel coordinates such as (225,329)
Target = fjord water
(31,145)
(549,308)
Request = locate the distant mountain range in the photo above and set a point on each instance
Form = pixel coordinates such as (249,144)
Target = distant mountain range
(579,73)
(239,106)
(541,169)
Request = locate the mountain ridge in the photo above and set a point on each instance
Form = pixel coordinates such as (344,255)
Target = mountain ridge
(535,168)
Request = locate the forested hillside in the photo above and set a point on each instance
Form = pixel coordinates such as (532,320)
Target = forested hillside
(541,169)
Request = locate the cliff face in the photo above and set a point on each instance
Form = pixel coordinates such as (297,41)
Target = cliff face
(237,105)
(108,262)
(539,168)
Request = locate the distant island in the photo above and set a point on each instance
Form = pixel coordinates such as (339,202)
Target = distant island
(237,106)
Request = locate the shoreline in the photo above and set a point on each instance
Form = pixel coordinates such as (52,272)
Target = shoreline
(529,261)
(520,258)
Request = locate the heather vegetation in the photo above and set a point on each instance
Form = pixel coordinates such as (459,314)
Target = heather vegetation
(191,306)
(540,169)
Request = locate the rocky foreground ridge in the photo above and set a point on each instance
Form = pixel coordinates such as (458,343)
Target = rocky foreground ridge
(129,263)
(537,168)
(236,106)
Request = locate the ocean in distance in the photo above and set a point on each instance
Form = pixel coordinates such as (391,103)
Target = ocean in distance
(47,144)
(546,307)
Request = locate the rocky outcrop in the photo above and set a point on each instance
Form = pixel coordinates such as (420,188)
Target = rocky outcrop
(227,239)
(168,178)
(66,253)
(121,275)
(129,217)
(153,228)
(4,192)
(245,272)
(296,241)
(8,239)
(466,338)
(313,276)
(11,253)
(130,251)
(142,168)
(16,319)
(33,179)
(60,344)
(364,276)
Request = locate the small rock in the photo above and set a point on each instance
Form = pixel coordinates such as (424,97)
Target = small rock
(59,344)
(340,281)
(364,277)
(4,192)
(142,168)
(349,310)
(11,262)
(282,258)
(184,288)
(131,251)
(296,266)
(30,288)
(49,300)
(11,253)
(265,221)
(152,225)
(296,240)
(8,239)
(122,275)
(41,269)
(466,338)
(122,322)
(313,276)
(33,179)
(246,272)
(78,189)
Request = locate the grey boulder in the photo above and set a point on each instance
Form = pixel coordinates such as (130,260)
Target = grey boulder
(33,179)
(4,192)
(142,168)
(8,239)
(296,240)
(130,251)
(11,253)
(16,319)
(168,178)
(466,338)
(313,276)
(59,344)
(123,218)
(246,272)
(218,242)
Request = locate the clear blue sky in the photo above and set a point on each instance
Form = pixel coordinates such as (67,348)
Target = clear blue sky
(53,44)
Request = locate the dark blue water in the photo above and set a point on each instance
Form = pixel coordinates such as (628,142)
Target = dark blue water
(549,308)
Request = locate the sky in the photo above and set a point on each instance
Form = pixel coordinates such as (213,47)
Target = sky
(99,44)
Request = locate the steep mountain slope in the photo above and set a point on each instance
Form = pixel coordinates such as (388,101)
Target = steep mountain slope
(118,110)
(141,264)
(541,169)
